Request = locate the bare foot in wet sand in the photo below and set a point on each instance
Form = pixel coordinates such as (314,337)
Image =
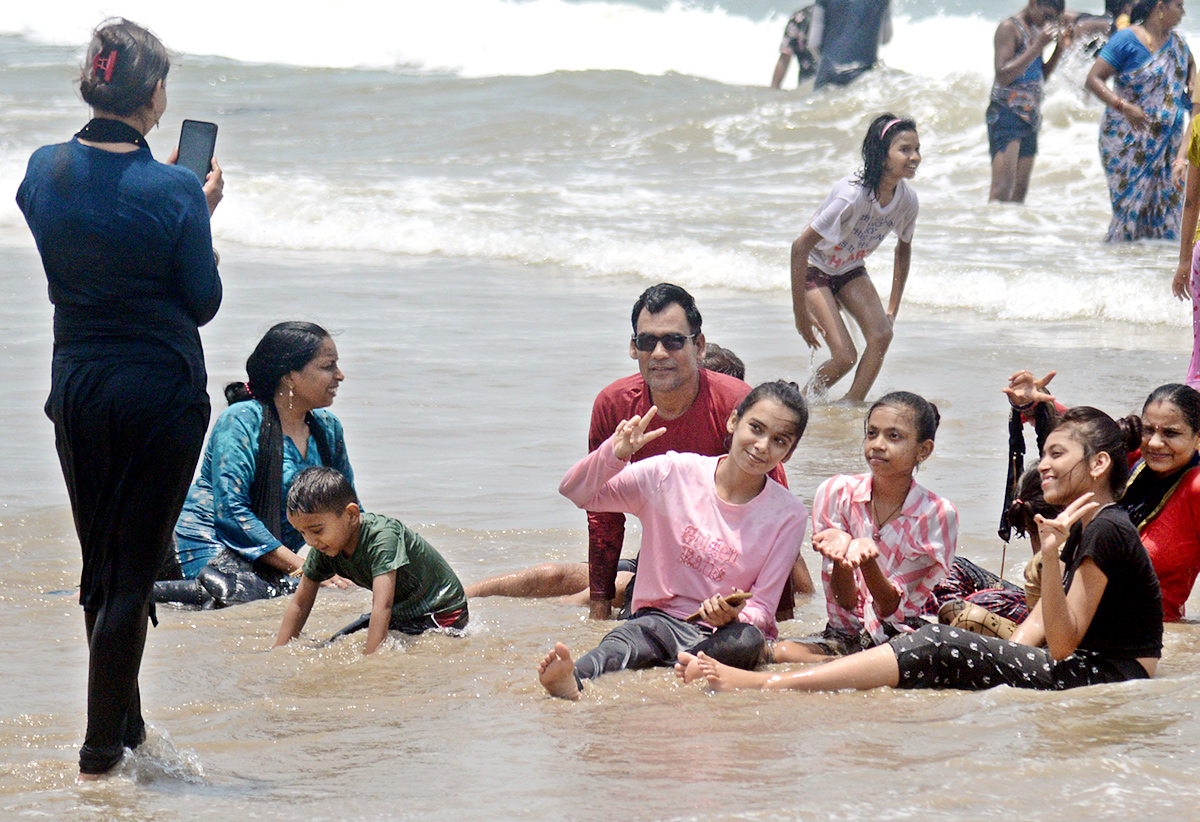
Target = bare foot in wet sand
(557,673)
(722,677)
(688,667)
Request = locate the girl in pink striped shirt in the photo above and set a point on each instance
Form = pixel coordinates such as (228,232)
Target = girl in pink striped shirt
(885,541)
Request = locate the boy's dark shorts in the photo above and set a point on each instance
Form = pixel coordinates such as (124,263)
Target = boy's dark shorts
(1004,126)
(453,622)
(816,278)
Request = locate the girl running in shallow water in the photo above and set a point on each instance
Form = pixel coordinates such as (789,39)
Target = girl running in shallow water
(827,259)
(1099,617)
(710,526)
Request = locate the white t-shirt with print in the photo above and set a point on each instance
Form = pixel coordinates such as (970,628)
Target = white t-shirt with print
(852,224)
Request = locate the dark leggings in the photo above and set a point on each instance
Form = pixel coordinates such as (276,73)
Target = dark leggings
(653,638)
(938,656)
(127,465)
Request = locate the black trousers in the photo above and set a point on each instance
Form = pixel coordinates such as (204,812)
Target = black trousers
(128,437)
(939,656)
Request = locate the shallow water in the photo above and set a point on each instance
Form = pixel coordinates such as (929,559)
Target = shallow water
(469,453)
(475,221)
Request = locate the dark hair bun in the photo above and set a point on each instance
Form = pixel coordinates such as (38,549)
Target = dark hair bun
(237,392)
(1131,432)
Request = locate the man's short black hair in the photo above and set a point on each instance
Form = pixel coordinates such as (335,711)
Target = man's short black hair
(656,298)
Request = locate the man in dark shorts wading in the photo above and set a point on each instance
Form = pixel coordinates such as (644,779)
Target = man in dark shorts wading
(1014,114)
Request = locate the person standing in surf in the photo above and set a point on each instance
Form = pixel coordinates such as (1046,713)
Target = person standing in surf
(1145,117)
(802,40)
(828,274)
(1014,114)
(126,244)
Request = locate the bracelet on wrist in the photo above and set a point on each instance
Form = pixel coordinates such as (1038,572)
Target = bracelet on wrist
(1119,104)
(1021,409)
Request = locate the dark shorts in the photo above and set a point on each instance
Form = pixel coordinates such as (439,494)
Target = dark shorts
(451,622)
(1004,127)
(816,278)
(448,622)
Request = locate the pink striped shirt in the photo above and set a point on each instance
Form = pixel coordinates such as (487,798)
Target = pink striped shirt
(916,549)
(695,544)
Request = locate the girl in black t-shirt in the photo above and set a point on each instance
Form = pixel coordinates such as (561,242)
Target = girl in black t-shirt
(1099,618)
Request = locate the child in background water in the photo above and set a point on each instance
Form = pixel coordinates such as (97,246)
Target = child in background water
(827,259)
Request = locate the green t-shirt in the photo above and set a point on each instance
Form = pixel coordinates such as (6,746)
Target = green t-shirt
(425,583)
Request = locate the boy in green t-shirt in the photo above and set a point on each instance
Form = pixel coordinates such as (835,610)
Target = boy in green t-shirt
(412,587)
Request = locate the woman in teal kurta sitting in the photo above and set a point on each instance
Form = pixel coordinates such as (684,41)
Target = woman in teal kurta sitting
(233,540)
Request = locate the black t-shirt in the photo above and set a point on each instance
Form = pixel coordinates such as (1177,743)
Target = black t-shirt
(1129,619)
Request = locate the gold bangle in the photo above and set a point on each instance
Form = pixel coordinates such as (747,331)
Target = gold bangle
(297,572)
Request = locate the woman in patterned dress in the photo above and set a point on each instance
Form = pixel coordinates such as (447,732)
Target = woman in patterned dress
(1147,111)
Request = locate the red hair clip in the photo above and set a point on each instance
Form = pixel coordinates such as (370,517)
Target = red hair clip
(105,64)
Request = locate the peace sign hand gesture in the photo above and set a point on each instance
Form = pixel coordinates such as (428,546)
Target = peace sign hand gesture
(1054,532)
(631,434)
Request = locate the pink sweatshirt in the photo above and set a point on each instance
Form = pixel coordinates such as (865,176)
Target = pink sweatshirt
(694,544)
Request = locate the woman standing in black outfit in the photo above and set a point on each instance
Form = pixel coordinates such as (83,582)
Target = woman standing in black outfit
(127,250)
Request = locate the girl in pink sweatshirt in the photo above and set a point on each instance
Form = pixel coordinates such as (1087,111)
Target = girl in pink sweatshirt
(710,526)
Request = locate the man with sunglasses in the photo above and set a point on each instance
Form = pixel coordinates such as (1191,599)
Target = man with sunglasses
(693,405)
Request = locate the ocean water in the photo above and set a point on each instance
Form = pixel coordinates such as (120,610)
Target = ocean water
(472,195)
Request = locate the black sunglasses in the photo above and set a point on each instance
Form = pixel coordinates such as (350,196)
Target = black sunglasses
(671,342)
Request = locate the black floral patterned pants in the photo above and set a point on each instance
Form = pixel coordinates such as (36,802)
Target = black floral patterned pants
(938,656)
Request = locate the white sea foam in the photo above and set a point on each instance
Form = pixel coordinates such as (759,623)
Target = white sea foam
(616,183)
(487,38)
(471,38)
(424,218)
